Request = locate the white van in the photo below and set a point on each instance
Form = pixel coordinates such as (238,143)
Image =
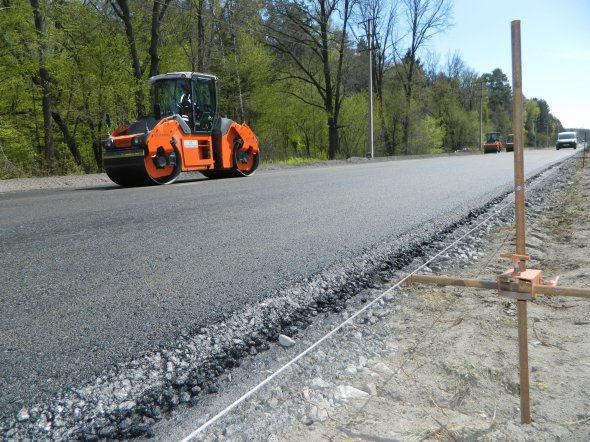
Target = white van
(566,139)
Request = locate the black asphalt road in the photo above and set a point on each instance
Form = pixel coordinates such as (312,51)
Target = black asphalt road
(93,276)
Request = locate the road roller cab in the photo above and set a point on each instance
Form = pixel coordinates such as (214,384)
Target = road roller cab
(184,133)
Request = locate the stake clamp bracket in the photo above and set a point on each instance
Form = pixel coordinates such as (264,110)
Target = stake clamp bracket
(519,282)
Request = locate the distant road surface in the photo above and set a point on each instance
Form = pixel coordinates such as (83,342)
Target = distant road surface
(93,276)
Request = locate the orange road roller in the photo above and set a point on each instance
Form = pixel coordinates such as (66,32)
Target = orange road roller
(493,143)
(184,133)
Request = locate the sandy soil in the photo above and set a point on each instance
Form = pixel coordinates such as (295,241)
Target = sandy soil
(450,368)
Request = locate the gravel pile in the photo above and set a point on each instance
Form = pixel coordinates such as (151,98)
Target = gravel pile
(138,398)
(54,182)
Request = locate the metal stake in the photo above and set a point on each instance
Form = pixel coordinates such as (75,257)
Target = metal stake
(519,190)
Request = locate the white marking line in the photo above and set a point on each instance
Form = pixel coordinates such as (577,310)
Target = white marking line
(325,337)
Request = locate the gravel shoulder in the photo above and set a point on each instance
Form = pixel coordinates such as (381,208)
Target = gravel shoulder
(448,369)
(428,363)
(54,182)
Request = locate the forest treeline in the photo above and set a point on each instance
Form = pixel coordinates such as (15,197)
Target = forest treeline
(296,71)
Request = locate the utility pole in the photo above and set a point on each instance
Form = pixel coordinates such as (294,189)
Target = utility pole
(481,114)
(584,154)
(370,152)
(536,128)
(370,33)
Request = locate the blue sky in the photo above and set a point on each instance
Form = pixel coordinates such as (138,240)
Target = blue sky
(555,37)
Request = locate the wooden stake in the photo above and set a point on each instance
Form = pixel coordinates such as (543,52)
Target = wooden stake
(519,192)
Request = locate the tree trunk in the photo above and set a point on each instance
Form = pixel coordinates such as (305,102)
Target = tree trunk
(158,11)
(200,36)
(394,131)
(70,141)
(125,15)
(155,39)
(333,100)
(406,133)
(47,127)
(96,145)
(333,138)
(44,80)
(338,98)
(329,91)
(408,89)
(95,128)
(385,135)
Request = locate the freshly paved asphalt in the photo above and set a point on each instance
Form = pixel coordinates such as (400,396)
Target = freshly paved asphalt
(93,276)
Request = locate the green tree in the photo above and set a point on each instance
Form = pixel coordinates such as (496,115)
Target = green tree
(18,109)
(42,78)
(306,37)
(424,19)
(354,135)
(532,112)
(499,95)
(427,136)
(448,111)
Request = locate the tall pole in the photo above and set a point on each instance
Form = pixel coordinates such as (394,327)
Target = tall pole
(370,38)
(519,191)
(481,114)
(517,110)
(584,154)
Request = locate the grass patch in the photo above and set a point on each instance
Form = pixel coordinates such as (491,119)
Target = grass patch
(568,217)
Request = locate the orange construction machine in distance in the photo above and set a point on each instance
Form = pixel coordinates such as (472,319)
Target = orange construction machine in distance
(510,143)
(493,143)
(184,133)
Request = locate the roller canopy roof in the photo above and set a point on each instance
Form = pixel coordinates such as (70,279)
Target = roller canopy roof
(175,75)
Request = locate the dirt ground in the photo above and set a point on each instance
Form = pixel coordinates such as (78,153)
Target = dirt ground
(450,369)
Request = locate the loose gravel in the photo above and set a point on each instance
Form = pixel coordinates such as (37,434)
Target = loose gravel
(146,396)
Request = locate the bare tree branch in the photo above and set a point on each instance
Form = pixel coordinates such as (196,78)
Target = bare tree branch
(299,97)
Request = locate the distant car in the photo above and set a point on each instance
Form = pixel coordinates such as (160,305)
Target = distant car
(510,143)
(566,139)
